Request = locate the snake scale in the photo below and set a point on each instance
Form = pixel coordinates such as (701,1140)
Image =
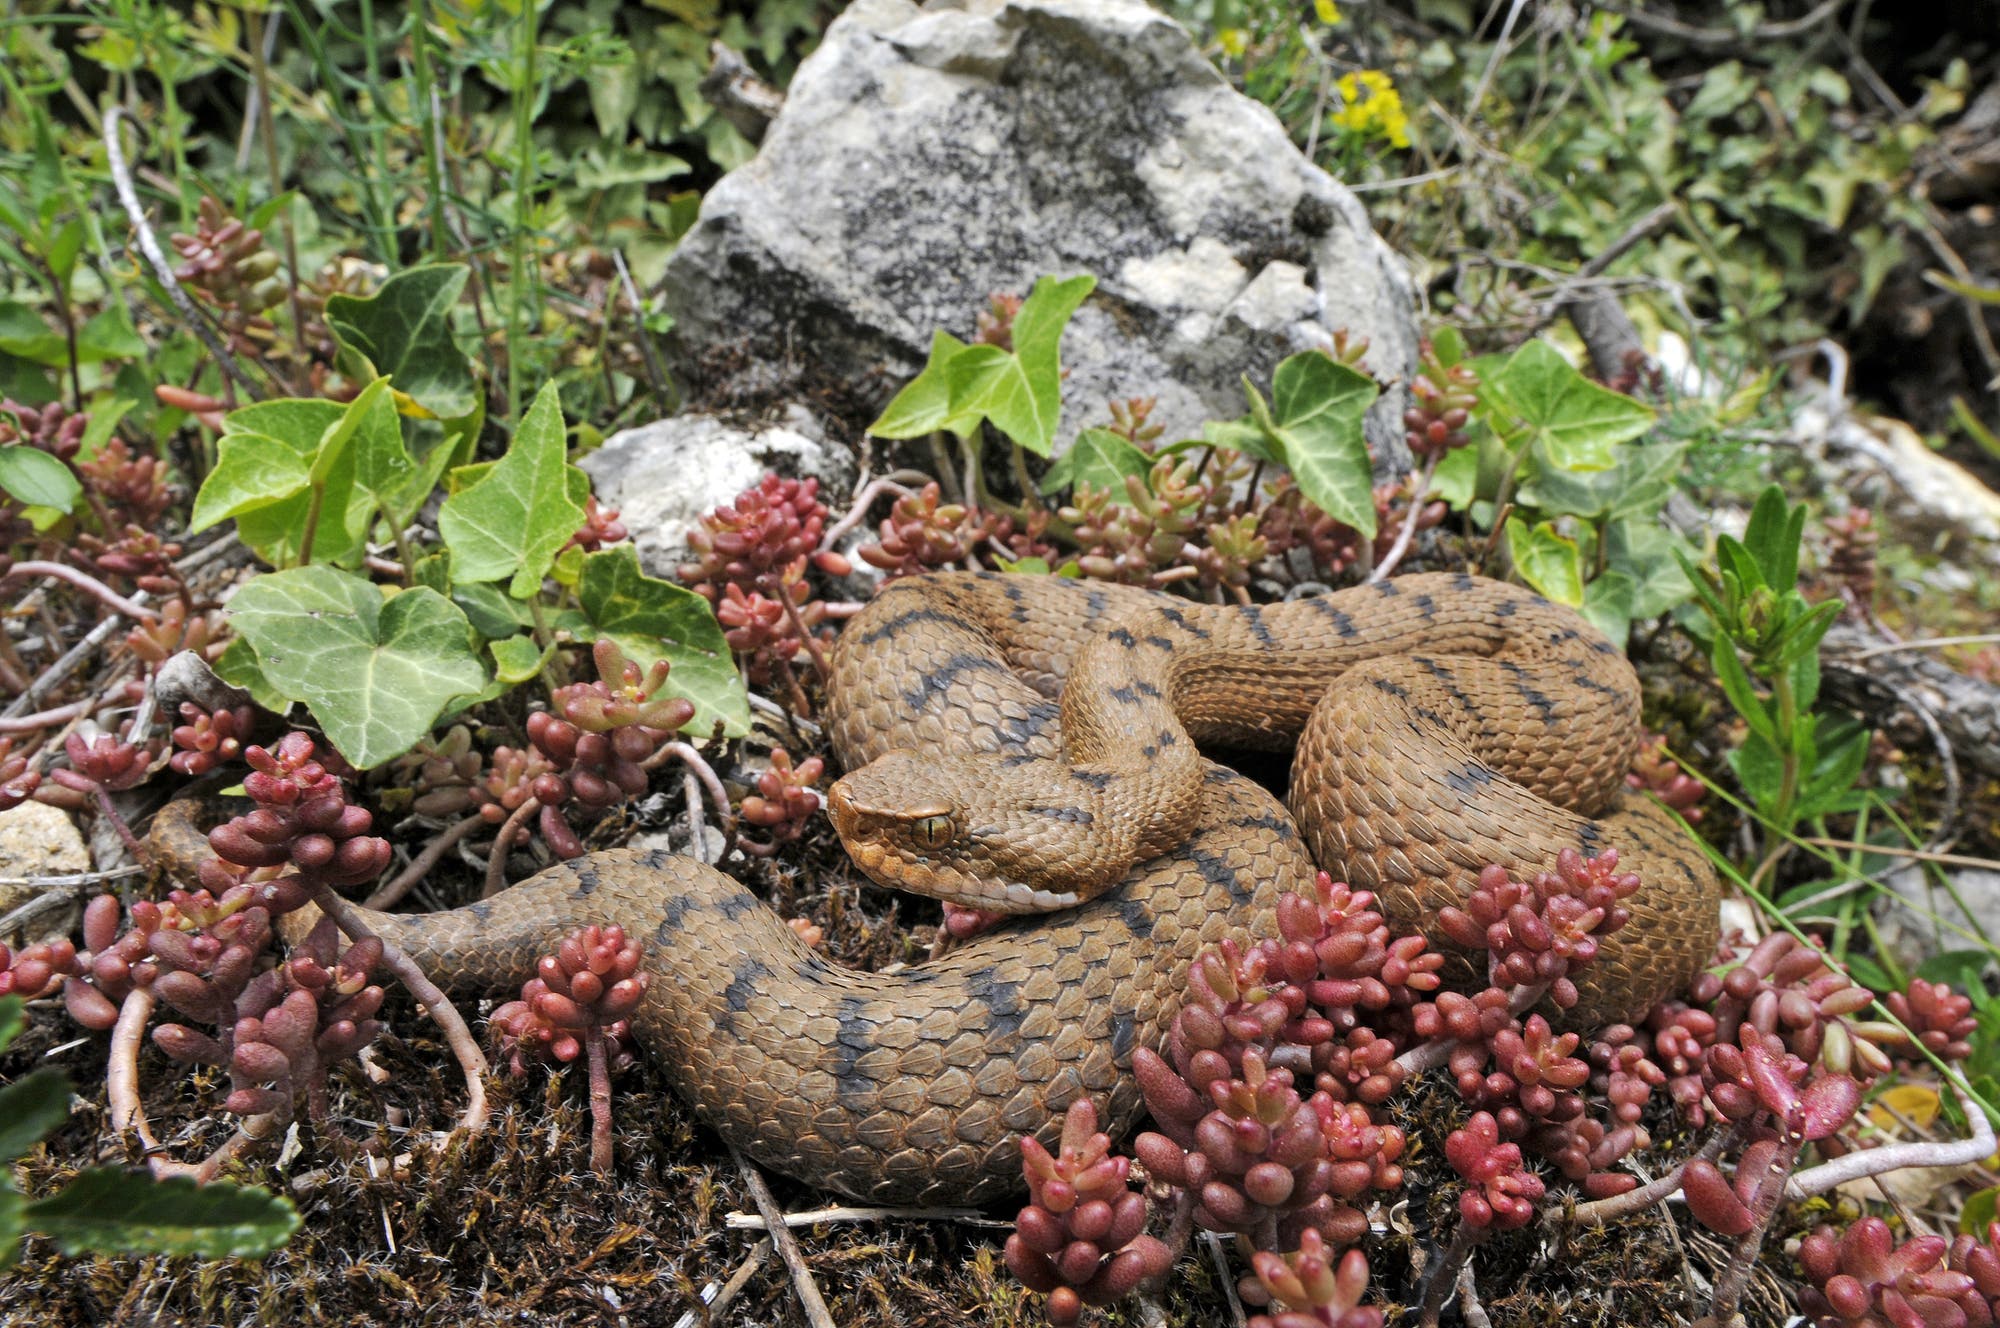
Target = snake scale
(1442,722)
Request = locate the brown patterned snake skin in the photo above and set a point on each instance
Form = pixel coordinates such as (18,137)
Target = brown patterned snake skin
(1471,722)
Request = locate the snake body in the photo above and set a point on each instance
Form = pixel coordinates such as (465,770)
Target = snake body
(1468,722)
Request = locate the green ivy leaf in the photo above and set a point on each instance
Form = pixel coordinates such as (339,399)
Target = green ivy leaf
(403,331)
(924,405)
(512,522)
(1645,551)
(1607,602)
(1317,405)
(36,479)
(237,665)
(517,659)
(251,471)
(31,1107)
(1456,479)
(1241,435)
(1099,458)
(274,530)
(375,673)
(653,619)
(107,1210)
(1577,422)
(1021,392)
(1547,560)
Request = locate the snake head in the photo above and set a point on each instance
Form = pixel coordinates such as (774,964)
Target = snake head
(907,824)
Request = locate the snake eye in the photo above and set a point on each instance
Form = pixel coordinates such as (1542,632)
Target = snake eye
(932,831)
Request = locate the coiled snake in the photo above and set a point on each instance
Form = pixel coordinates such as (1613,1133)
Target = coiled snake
(1468,722)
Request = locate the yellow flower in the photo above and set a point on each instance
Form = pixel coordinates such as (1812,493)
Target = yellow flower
(1370,107)
(1234,41)
(1328,11)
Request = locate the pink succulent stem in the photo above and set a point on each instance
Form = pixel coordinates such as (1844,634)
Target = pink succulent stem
(466,1047)
(82,581)
(121,1076)
(600,1100)
(1875,1161)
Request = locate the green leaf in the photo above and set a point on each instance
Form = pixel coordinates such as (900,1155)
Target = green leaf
(11,1204)
(31,1107)
(382,464)
(299,422)
(106,1210)
(238,666)
(1762,772)
(1608,601)
(1244,435)
(33,477)
(1771,539)
(924,405)
(1317,405)
(23,333)
(1742,694)
(275,530)
(1547,560)
(492,613)
(1843,750)
(1456,479)
(1099,458)
(375,673)
(1648,553)
(13,1016)
(512,522)
(251,471)
(1575,420)
(1021,392)
(518,658)
(109,335)
(404,331)
(653,620)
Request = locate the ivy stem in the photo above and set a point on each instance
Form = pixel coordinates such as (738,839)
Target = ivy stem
(312,523)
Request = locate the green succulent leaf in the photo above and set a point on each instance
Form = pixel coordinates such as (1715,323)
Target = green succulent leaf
(35,479)
(404,331)
(374,672)
(512,522)
(652,619)
(1547,560)
(106,1210)
(1314,417)
(1577,423)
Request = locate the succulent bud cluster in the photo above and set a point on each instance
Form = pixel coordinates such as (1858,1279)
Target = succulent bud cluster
(175,630)
(1162,521)
(17,781)
(924,533)
(592,981)
(302,820)
(133,486)
(101,762)
(1501,1192)
(226,262)
(1082,1238)
(1445,395)
(37,969)
(1538,932)
(1863,1279)
(1307,1289)
(784,800)
(1290,521)
(600,527)
(54,428)
(751,563)
(1654,772)
(208,739)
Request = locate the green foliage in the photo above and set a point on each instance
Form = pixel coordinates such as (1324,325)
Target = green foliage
(1313,426)
(652,619)
(404,331)
(511,520)
(1019,391)
(35,478)
(106,1210)
(1794,764)
(376,672)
